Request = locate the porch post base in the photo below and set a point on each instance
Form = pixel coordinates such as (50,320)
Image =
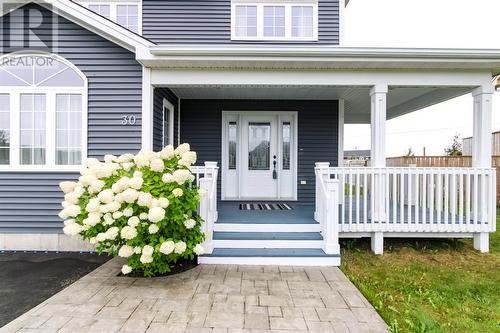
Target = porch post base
(331,248)
(377,243)
(482,242)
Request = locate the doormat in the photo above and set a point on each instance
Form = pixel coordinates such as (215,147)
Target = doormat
(265,206)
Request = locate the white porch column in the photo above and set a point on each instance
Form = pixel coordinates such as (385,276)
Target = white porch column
(378,96)
(341,133)
(481,152)
(147,110)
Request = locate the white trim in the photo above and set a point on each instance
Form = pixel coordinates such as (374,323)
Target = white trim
(171,109)
(147,110)
(260,4)
(342,24)
(284,261)
(341,132)
(178,121)
(50,118)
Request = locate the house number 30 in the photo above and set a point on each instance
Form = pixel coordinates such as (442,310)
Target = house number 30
(129,120)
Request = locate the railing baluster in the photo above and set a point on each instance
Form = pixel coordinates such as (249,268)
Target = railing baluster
(401,199)
(432,188)
(357,197)
(468,197)
(394,198)
(424,199)
(453,200)
(446,199)
(408,194)
(365,198)
(475,210)
(439,198)
(461,201)
(349,192)
(417,198)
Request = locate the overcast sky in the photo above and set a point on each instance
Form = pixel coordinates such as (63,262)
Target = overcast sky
(424,23)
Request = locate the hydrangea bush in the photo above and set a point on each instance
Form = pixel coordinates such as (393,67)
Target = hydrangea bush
(140,207)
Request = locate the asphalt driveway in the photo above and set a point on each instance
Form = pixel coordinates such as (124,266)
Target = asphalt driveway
(27,279)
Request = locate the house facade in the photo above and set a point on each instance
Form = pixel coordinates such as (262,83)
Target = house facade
(261,90)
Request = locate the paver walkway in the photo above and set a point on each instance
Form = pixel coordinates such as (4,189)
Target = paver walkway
(208,298)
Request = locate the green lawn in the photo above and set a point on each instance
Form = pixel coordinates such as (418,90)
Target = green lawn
(429,286)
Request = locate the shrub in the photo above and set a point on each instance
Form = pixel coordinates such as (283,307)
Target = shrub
(140,207)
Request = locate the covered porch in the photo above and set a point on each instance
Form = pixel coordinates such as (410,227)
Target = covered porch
(334,201)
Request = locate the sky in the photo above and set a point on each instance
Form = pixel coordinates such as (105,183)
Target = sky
(432,24)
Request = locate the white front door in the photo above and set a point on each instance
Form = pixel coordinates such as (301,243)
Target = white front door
(259,155)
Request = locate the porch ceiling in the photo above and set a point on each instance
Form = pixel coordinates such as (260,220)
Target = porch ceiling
(400,100)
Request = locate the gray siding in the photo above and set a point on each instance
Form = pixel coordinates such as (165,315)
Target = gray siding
(29,202)
(201,122)
(209,21)
(159,95)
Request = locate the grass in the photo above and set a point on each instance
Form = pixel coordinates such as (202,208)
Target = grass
(429,285)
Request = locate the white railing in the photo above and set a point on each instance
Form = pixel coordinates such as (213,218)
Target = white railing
(327,211)
(411,199)
(206,180)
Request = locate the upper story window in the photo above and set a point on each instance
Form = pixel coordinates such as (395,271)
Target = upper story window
(274,20)
(43,101)
(126,14)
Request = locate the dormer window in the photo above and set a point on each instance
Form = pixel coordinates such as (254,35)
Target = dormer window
(126,14)
(273,20)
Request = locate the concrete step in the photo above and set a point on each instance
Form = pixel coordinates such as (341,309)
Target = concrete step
(271,256)
(267,227)
(267,236)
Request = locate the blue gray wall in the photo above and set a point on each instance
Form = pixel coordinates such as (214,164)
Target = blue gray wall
(201,126)
(209,21)
(29,202)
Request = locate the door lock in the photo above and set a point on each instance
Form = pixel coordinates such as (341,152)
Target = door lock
(275,173)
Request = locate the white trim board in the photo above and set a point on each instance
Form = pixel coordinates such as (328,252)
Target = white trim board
(285,261)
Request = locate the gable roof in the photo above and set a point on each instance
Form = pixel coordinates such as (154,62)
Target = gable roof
(92,22)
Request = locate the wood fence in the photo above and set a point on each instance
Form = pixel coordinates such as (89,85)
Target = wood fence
(443,162)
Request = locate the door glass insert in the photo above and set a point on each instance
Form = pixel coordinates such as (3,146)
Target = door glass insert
(232,155)
(259,140)
(286,130)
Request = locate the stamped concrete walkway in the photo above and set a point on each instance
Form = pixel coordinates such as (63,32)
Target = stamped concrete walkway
(215,299)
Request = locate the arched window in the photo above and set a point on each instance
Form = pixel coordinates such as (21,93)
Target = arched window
(43,112)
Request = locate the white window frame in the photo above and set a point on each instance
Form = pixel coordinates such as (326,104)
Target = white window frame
(260,19)
(170,107)
(15,93)
(113,12)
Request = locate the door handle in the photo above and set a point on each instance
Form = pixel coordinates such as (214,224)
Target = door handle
(275,173)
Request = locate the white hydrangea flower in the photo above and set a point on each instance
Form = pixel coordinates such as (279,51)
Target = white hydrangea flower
(130,195)
(96,186)
(182,149)
(72,229)
(108,219)
(142,159)
(110,158)
(106,196)
(155,203)
(137,249)
(157,165)
(91,161)
(87,179)
(126,269)
(167,178)
(121,185)
(128,232)
(93,205)
(67,187)
(136,182)
(189,224)
(112,233)
(92,219)
(101,237)
(127,166)
(188,159)
(181,176)
(167,247)
(163,202)
(144,199)
(137,173)
(125,158)
(128,212)
(156,214)
(177,192)
(133,221)
(153,229)
(117,215)
(148,250)
(143,216)
(167,152)
(113,206)
(65,204)
(199,250)
(146,259)
(126,251)
(92,240)
(180,247)
(72,211)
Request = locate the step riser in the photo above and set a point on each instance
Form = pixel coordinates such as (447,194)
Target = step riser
(270,244)
(243,227)
(284,261)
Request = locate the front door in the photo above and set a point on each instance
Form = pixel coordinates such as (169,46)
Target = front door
(259,152)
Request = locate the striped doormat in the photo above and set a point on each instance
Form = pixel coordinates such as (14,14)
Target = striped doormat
(265,206)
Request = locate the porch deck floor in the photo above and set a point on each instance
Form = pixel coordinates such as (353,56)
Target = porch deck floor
(229,212)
